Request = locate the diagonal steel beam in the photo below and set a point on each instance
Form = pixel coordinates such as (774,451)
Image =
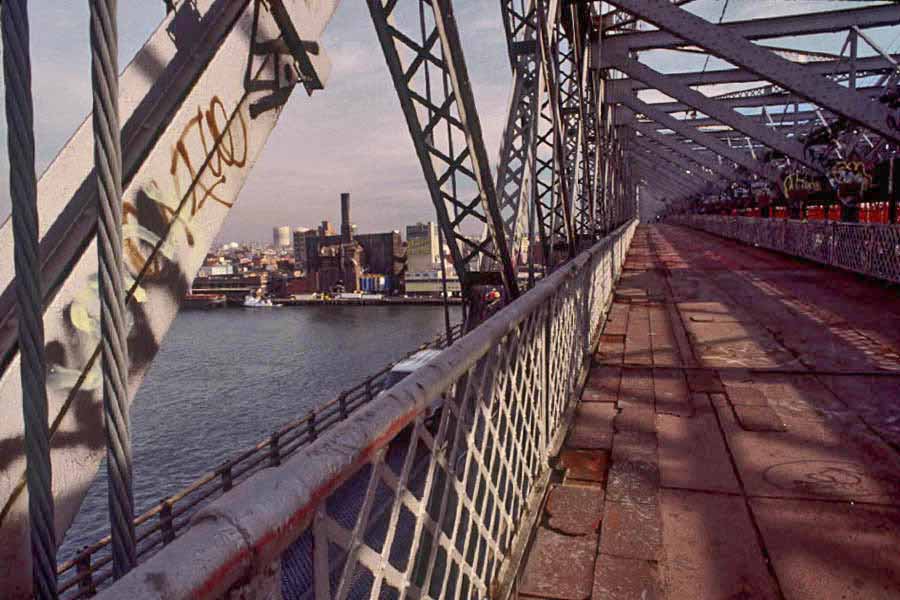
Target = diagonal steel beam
(650,135)
(687,165)
(714,109)
(757,29)
(655,174)
(871,65)
(688,130)
(750,99)
(763,62)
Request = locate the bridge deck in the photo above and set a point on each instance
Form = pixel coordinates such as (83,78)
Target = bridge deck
(738,436)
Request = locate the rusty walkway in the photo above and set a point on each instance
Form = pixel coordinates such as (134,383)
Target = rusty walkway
(738,436)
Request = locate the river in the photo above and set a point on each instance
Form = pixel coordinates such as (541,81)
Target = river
(224,379)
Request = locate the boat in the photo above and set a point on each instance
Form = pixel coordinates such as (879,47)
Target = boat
(254,302)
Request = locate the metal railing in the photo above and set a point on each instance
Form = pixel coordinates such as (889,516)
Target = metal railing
(424,492)
(867,248)
(91,568)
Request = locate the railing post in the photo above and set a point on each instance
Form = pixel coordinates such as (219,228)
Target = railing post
(227,480)
(84,574)
(311,425)
(274,450)
(342,405)
(166,523)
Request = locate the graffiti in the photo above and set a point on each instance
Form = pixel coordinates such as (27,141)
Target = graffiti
(828,478)
(798,183)
(209,144)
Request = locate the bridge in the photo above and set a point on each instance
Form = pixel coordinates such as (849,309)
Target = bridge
(691,395)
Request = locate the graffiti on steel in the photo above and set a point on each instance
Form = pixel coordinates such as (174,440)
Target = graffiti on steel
(212,143)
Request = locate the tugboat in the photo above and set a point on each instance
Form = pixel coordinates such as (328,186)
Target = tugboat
(251,301)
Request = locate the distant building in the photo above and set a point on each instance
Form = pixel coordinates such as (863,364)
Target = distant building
(343,259)
(300,236)
(281,237)
(325,229)
(422,251)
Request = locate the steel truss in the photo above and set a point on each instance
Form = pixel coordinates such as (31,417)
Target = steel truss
(424,56)
(801,92)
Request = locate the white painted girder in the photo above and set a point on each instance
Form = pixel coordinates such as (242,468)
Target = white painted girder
(769,66)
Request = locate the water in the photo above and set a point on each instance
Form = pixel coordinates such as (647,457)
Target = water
(225,379)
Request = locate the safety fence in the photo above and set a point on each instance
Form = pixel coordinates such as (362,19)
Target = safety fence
(425,492)
(867,248)
(91,568)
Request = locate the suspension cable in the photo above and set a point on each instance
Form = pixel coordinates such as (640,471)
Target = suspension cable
(114,338)
(29,297)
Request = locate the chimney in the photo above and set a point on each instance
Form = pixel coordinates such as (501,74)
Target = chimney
(346,227)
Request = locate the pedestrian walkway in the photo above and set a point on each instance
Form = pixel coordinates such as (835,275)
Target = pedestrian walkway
(738,436)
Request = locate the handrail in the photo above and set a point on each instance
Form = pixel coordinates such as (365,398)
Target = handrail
(91,567)
(870,249)
(389,482)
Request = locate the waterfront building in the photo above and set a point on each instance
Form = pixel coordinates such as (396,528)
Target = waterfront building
(346,257)
(422,251)
(281,237)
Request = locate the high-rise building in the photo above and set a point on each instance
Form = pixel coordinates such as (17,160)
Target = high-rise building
(422,250)
(281,237)
(300,255)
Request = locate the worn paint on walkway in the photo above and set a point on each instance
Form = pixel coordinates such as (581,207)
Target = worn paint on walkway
(738,436)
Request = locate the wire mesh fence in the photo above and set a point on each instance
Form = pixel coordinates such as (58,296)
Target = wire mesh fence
(867,248)
(91,568)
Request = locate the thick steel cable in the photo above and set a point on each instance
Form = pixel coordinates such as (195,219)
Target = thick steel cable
(23,192)
(113,332)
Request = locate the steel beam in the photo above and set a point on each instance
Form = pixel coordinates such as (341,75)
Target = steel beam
(688,130)
(449,110)
(685,164)
(751,99)
(773,27)
(769,66)
(669,141)
(713,108)
(871,65)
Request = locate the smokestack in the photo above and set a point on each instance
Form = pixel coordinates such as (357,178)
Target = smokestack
(346,227)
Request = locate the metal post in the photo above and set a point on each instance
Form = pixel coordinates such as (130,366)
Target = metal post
(29,296)
(113,331)
(166,522)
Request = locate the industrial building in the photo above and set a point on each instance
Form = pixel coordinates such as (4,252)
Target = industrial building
(341,260)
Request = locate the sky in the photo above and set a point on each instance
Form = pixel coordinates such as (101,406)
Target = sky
(350,137)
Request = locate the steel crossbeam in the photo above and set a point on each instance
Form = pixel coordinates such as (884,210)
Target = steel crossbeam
(872,65)
(764,63)
(710,141)
(649,132)
(767,28)
(684,165)
(714,109)
(436,97)
(771,96)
